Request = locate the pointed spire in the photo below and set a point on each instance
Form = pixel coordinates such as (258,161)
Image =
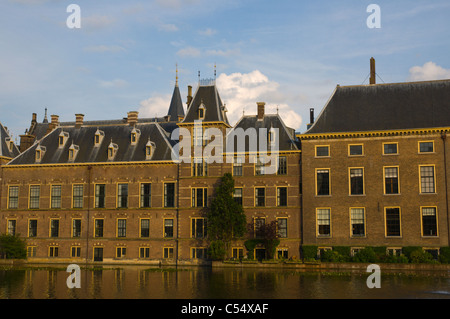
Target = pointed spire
(45,117)
(214,71)
(176,78)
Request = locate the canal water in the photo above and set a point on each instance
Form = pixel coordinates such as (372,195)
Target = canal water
(138,282)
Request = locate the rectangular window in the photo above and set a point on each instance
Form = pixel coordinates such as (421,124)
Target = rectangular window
(198,135)
(76,228)
(198,228)
(390,148)
(121,228)
(198,253)
(237,195)
(238,253)
(258,225)
(11,228)
(237,166)
(122,195)
(35,191)
(282,165)
(144,252)
(32,228)
(168,252)
(260,197)
(355,150)
(53,251)
(281,196)
(199,197)
(357,220)
(56,196)
(393,222)
(54,228)
(31,251)
(100,196)
(199,167)
(77,196)
(426,147)
(391,181)
(323,222)
(13,197)
(427,181)
(121,252)
(169,195)
(322,151)
(323,182)
(282,227)
(75,252)
(429,221)
(356,181)
(168,228)
(98,228)
(146,195)
(259,167)
(145,228)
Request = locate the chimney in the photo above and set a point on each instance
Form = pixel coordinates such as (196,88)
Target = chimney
(54,123)
(372,71)
(79,120)
(311,118)
(34,118)
(189,97)
(26,141)
(132,118)
(260,110)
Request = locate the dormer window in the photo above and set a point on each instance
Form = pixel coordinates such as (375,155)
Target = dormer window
(73,151)
(201,111)
(10,144)
(40,151)
(135,136)
(98,137)
(112,150)
(149,150)
(62,139)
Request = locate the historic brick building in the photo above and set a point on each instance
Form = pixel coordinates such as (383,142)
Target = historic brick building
(116,191)
(375,168)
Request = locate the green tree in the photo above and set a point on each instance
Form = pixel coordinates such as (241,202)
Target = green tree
(12,247)
(226,218)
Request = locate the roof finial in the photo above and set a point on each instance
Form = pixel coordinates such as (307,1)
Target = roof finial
(176,77)
(45,116)
(214,70)
(199,76)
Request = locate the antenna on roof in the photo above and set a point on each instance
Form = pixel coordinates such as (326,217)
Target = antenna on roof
(198,76)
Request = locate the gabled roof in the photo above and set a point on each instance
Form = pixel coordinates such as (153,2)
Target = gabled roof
(176,109)
(208,96)
(6,149)
(381,107)
(286,136)
(84,138)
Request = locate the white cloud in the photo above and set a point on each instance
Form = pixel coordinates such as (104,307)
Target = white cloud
(116,83)
(168,27)
(240,92)
(155,106)
(223,53)
(104,48)
(207,32)
(429,71)
(189,52)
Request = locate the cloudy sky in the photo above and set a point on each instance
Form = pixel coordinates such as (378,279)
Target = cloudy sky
(289,54)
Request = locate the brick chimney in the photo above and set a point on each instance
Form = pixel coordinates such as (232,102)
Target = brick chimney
(54,123)
(261,106)
(79,118)
(189,97)
(372,71)
(132,118)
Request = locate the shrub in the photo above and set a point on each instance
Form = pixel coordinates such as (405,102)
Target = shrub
(331,256)
(408,250)
(309,252)
(366,255)
(419,256)
(216,250)
(444,256)
(250,245)
(344,251)
(12,247)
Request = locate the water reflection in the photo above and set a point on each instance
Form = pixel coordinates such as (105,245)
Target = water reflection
(206,283)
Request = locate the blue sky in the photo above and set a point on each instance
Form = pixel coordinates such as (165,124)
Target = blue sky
(289,54)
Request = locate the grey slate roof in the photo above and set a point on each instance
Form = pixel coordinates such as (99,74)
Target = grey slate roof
(88,153)
(5,148)
(176,105)
(209,97)
(287,140)
(379,107)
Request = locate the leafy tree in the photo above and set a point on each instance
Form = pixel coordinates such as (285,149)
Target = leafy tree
(12,247)
(267,235)
(226,218)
